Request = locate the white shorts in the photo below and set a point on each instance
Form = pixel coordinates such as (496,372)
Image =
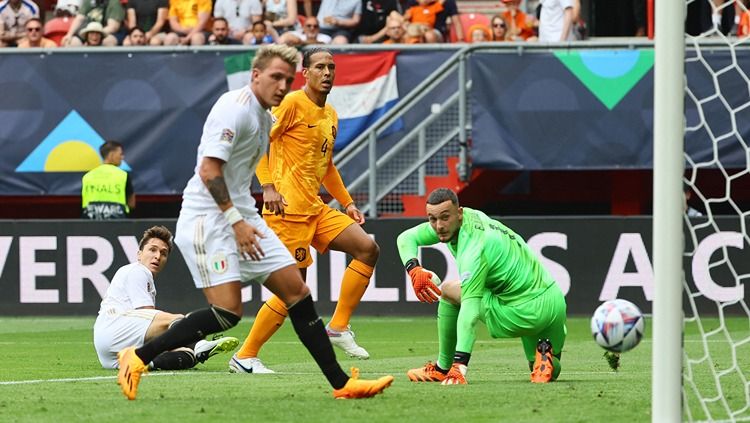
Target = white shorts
(113,334)
(208,245)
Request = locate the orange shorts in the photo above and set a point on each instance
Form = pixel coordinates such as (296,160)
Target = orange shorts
(298,232)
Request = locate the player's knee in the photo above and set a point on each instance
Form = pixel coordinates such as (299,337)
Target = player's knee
(296,294)
(451,292)
(369,252)
(227,318)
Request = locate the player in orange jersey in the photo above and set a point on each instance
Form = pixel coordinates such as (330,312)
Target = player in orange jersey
(298,163)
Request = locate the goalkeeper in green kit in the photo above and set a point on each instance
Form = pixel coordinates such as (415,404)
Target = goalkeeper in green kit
(503,284)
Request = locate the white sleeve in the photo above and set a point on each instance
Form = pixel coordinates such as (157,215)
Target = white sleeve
(136,286)
(220,129)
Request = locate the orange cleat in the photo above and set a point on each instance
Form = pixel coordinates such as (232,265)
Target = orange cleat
(428,373)
(129,375)
(356,388)
(456,375)
(543,367)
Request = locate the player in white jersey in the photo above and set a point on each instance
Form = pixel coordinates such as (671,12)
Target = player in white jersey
(225,242)
(128,316)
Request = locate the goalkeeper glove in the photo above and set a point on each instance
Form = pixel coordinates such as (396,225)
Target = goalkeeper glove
(456,375)
(421,281)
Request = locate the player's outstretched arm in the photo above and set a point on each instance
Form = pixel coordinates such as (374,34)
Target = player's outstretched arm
(247,235)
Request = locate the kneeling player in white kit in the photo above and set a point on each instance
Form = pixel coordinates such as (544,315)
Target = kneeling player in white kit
(128,317)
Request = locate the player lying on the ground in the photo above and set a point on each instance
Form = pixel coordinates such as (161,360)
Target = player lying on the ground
(225,242)
(502,284)
(128,316)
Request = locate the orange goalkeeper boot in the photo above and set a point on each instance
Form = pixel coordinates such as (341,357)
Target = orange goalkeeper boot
(131,368)
(428,373)
(543,367)
(357,388)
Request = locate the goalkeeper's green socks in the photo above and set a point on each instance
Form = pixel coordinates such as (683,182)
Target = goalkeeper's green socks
(447,323)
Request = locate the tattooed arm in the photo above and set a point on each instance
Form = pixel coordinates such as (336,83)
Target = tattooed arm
(247,235)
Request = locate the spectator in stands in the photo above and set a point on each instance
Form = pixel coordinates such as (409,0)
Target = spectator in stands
(339,19)
(34,36)
(107,13)
(310,34)
(480,33)
(282,15)
(151,17)
(499,29)
(371,27)
(220,34)
(13,17)
(424,13)
(261,34)
(65,12)
(187,20)
(240,15)
(395,29)
(136,37)
(93,34)
(440,28)
(556,20)
(106,190)
(520,25)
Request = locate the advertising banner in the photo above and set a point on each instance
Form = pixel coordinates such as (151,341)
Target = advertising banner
(64,268)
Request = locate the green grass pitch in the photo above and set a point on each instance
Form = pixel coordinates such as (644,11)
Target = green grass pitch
(49,372)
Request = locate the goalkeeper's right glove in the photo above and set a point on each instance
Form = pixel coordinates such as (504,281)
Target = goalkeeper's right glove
(421,281)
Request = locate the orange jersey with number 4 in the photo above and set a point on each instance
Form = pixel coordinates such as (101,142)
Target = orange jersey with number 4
(300,152)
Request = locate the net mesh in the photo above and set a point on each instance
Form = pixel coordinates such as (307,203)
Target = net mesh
(716,362)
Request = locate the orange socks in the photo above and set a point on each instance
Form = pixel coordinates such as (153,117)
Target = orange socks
(356,278)
(269,319)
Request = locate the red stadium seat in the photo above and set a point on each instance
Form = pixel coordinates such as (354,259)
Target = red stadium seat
(56,28)
(467,20)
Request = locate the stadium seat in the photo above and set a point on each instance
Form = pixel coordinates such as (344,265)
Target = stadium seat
(467,20)
(56,28)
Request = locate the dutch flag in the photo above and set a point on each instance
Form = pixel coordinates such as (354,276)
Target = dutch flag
(365,88)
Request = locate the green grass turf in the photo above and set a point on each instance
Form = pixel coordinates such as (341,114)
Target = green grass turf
(64,382)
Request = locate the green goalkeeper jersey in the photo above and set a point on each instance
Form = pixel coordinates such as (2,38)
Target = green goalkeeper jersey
(490,257)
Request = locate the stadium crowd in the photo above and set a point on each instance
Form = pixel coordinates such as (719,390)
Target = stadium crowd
(76,23)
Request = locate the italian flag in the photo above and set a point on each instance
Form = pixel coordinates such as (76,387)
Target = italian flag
(238,69)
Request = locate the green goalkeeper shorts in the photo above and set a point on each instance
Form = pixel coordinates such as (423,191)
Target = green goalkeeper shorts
(540,318)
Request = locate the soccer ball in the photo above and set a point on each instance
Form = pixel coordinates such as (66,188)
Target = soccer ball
(617,325)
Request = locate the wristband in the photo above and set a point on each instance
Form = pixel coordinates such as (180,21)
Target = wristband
(411,264)
(232,215)
(462,358)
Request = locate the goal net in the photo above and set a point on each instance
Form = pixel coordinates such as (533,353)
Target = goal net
(716,336)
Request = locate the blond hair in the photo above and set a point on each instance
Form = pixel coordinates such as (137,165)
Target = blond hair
(265,54)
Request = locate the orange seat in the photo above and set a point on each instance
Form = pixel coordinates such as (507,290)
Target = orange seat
(56,28)
(467,20)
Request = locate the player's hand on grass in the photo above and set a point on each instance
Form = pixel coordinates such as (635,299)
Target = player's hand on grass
(421,281)
(273,200)
(248,241)
(456,375)
(356,215)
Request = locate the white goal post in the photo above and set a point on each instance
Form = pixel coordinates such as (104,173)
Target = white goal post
(669,94)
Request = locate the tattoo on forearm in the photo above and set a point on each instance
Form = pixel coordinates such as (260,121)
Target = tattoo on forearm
(218,189)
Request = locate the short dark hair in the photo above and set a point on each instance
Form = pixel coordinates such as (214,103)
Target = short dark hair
(261,23)
(136,28)
(442,195)
(307,55)
(108,147)
(220,19)
(158,232)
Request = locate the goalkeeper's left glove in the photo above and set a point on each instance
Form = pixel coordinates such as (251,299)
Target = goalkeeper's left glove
(456,375)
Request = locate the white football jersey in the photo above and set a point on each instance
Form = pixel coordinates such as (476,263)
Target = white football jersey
(236,131)
(131,288)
